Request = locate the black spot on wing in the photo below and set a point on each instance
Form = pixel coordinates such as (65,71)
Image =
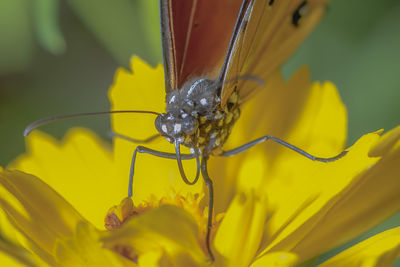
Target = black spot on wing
(298,13)
(271,2)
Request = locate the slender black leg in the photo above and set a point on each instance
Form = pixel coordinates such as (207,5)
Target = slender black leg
(112,134)
(142,149)
(209,184)
(279,141)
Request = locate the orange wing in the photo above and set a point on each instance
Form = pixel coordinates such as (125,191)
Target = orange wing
(267,35)
(195,37)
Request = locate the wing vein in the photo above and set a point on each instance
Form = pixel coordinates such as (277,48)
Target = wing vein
(267,43)
(235,34)
(252,43)
(172,46)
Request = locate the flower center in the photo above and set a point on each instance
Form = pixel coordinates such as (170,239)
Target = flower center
(119,214)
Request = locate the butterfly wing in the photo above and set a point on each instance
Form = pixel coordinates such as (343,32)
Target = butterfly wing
(195,36)
(267,34)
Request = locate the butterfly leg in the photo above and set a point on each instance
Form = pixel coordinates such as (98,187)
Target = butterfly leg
(180,165)
(113,134)
(209,184)
(280,141)
(142,149)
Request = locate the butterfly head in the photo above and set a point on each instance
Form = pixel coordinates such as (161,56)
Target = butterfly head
(175,127)
(186,109)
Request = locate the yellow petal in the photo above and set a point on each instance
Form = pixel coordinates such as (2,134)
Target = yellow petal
(258,173)
(240,232)
(15,255)
(152,259)
(168,228)
(274,111)
(297,181)
(369,199)
(143,89)
(37,211)
(321,129)
(6,259)
(80,168)
(292,180)
(380,250)
(8,231)
(303,192)
(85,249)
(297,187)
(278,259)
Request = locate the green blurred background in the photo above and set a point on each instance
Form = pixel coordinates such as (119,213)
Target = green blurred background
(59,57)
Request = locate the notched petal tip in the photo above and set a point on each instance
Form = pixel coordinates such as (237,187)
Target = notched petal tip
(387,143)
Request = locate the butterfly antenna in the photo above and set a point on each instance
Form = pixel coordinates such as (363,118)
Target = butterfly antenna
(45,121)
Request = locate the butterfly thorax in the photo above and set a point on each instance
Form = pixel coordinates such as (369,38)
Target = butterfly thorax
(194,116)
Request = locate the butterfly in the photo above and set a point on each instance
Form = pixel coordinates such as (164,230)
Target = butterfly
(217,55)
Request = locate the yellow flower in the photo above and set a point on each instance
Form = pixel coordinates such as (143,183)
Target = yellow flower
(273,207)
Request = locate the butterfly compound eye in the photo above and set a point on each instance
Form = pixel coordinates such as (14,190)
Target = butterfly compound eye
(163,124)
(176,126)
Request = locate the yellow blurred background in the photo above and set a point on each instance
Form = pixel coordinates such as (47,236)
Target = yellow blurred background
(59,57)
